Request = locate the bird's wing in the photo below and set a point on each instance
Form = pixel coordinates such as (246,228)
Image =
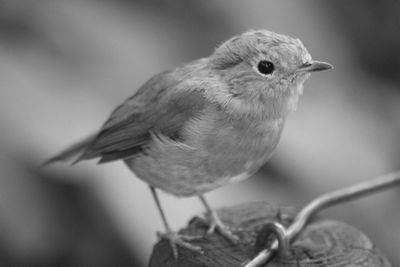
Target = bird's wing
(162,105)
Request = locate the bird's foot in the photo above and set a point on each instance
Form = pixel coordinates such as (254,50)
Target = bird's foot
(176,240)
(216,225)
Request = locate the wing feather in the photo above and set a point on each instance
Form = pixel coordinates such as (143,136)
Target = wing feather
(162,105)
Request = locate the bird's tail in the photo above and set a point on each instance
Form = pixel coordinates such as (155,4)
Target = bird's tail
(73,153)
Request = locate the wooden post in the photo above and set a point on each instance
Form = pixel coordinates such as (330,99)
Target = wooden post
(322,243)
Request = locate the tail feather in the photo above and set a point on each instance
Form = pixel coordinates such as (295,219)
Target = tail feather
(72,153)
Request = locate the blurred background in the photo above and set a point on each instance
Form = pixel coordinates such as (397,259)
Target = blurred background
(64,66)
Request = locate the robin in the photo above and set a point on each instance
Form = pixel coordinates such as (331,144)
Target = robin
(207,123)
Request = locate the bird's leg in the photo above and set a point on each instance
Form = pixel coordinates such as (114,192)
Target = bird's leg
(215,223)
(173,237)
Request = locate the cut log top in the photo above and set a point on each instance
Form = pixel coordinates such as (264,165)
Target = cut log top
(322,243)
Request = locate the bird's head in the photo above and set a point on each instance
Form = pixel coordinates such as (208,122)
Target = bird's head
(263,72)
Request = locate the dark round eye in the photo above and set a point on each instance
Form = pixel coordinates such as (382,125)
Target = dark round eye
(265,67)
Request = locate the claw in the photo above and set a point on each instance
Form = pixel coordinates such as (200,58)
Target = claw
(176,240)
(216,225)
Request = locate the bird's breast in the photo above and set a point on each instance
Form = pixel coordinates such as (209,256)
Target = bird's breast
(215,150)
(233,145)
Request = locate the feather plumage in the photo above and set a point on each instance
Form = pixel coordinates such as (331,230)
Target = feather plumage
(156,107)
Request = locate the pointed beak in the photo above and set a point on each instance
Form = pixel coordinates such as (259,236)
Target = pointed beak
(314,66)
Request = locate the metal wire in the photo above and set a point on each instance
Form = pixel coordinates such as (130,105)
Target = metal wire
(325,201)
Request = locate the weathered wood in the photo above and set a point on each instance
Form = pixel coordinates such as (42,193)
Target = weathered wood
(322,243)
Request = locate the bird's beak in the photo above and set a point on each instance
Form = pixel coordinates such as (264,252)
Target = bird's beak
(314,66)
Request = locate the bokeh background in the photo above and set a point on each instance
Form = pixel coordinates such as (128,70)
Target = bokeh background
(64,65)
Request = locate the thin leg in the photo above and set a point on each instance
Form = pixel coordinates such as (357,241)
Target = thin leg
(158,203)
(216,224)
(173,237)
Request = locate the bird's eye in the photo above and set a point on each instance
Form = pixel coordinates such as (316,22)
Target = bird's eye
(265,67)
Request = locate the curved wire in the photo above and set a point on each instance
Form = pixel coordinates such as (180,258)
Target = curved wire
(279,231)
(325,201)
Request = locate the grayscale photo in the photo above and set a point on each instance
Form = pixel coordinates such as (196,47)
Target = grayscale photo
(199,133)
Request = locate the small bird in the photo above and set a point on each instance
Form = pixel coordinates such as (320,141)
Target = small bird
(205,124)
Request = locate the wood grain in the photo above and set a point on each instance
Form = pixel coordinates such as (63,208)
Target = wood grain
(322,243)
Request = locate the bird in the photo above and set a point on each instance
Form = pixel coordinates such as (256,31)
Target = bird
(207,123)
